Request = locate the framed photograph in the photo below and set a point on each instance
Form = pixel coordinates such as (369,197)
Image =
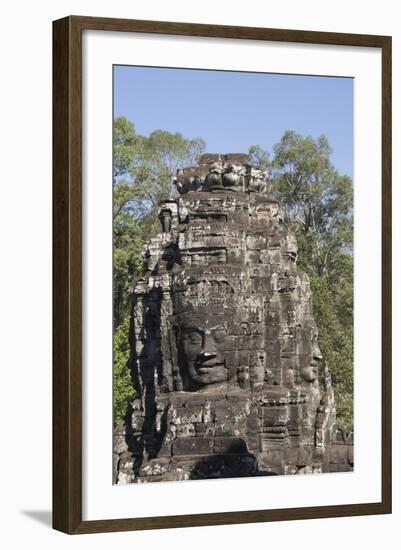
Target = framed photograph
(222,274)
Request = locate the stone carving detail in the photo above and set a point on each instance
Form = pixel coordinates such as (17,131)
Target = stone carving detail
(225,355)
(229,172)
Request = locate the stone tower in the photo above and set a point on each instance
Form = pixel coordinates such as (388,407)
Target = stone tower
(225,355)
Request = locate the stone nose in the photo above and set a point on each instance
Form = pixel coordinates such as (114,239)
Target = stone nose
(209,344)
(316,353)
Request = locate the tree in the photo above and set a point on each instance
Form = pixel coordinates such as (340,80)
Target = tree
(126,143)
(123,390)
(127,261)
(160,155)
(260,158)
(317,200)
(336,343)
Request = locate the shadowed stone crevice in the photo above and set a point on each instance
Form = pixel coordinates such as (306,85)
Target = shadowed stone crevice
(237,461)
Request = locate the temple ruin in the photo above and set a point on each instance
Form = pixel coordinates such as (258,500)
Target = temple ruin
(225,359)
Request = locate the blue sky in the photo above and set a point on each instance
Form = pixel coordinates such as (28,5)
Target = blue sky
(233,110)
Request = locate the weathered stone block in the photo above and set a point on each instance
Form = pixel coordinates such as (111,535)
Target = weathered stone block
(230,445)
(185,430)
(192,446)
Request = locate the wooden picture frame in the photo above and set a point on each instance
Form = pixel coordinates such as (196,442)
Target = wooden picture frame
(67,273)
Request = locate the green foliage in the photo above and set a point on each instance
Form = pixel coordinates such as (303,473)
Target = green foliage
(125,145)
(260,158)
(336,344)
(127,260)
(123,390)
(158,159)
(317,200)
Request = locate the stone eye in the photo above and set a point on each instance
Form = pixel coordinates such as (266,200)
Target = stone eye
(194,338)
(219,334)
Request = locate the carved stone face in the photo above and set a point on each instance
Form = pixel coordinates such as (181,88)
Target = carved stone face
(202,351)
(216,167)
(310,372)
(291,247)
